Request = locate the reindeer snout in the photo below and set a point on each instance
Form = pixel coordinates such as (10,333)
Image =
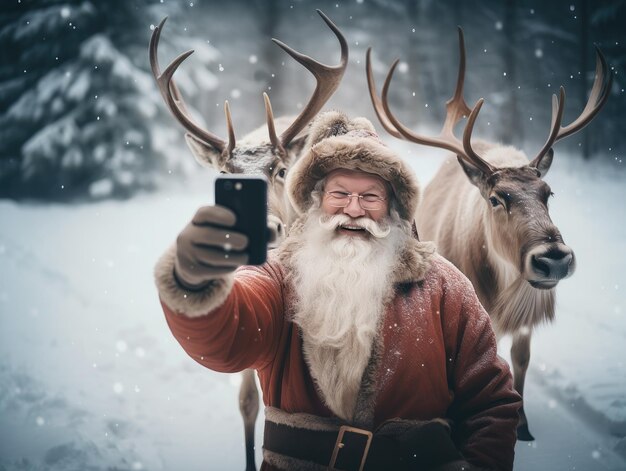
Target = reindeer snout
(553,264)
(275,231)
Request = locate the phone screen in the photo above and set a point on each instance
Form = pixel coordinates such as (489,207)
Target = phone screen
(246,196)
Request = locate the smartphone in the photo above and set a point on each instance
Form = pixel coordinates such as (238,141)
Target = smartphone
(246,196)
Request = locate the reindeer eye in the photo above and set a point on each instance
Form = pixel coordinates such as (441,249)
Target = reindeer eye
(494,201)
(282,172)
(223,172)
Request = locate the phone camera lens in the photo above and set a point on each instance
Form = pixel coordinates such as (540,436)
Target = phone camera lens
(228,185)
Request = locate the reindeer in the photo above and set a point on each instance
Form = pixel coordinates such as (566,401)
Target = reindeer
(489,214)
(258,153)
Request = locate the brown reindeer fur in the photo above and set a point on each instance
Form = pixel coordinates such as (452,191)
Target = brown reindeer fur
(456,216)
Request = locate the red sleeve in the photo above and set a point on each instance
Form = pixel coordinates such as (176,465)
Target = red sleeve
(241,333)
(485,406)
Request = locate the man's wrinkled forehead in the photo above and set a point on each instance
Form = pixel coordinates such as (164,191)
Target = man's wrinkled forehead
(344,175)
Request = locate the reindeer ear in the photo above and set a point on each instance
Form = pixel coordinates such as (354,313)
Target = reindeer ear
(545,163)
(205,154)
(297,144)
(475,175)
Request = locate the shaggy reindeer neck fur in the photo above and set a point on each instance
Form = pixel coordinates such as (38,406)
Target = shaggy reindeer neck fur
(519,306)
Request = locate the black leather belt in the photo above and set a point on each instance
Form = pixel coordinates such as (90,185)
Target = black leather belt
(422,447)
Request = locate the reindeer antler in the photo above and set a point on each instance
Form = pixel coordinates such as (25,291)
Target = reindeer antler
(456,109)
(378,105)
(597,98)
(173,98)
(328,79)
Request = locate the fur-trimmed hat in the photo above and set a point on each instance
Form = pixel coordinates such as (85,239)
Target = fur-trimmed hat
(336,142)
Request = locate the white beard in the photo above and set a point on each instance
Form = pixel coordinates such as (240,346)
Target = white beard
(342,283)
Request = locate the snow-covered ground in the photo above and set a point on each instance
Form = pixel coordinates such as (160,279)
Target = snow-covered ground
(90,377)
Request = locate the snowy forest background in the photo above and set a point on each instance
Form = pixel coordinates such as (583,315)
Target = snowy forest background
(96,180)
(81,118)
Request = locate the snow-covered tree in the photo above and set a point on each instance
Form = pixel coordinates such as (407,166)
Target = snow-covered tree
(82,112)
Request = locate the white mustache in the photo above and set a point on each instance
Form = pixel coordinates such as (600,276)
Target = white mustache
(333,222)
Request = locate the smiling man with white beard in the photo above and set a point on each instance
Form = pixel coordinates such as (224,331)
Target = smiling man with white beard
(338,313)
(372,351)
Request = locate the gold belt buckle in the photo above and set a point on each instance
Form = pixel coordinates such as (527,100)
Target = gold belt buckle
(339,444)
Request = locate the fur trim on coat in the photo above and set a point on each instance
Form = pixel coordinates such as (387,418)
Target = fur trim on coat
(184,301)
(411,266)
(337,142)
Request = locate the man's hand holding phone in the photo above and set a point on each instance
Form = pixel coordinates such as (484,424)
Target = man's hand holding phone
(223,237)
(209,248)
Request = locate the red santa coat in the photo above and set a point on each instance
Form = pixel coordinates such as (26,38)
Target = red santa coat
(435,356)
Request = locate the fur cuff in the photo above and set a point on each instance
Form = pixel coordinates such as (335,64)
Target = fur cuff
(184,301)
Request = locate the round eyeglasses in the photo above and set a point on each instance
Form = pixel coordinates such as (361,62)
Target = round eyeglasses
(368,201)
